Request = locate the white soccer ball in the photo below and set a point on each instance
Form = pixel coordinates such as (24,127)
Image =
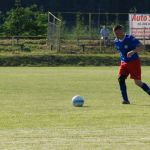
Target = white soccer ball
(78,101)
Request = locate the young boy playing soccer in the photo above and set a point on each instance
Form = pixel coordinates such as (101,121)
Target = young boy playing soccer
(128,47)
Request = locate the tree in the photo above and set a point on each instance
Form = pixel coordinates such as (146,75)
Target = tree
(115,6)
(18,3)
(80,28)
(25,21)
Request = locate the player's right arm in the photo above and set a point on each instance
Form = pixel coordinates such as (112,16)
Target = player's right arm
(138,48)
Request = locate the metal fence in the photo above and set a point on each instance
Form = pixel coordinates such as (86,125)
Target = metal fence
(92,22)
(80,33)
(85,28)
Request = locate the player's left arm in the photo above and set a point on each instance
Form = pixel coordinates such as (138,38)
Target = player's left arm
(138,48)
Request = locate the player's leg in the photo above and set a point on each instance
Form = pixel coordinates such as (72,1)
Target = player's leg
(135,73)
(143,85)
(122,75)
(123,89)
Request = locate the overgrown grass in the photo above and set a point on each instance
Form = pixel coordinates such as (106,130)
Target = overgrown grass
(36,111)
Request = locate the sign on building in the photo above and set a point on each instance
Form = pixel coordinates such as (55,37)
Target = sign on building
(139,25)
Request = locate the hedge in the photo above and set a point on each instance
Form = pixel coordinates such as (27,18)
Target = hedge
(64,60)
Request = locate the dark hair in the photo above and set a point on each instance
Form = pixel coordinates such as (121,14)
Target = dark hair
(118,27)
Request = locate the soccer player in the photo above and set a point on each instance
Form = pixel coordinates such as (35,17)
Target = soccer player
(128,47)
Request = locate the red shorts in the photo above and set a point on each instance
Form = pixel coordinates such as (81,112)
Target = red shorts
(133,68)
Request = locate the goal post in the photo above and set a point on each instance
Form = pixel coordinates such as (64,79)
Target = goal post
(53,32)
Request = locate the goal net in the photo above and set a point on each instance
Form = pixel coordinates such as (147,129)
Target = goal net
(53,35)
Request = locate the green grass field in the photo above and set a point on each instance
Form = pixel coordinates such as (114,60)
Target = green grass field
(36,111)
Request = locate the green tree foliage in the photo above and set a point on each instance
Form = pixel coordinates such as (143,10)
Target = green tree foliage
(80,28)
(115,6)
(28,19)
(25,21)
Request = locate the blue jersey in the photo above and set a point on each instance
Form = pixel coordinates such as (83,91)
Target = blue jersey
(126,45)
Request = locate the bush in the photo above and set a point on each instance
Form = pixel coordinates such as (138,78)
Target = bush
(64,60)
(25,21)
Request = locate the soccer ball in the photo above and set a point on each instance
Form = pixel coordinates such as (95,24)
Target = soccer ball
(77,101)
